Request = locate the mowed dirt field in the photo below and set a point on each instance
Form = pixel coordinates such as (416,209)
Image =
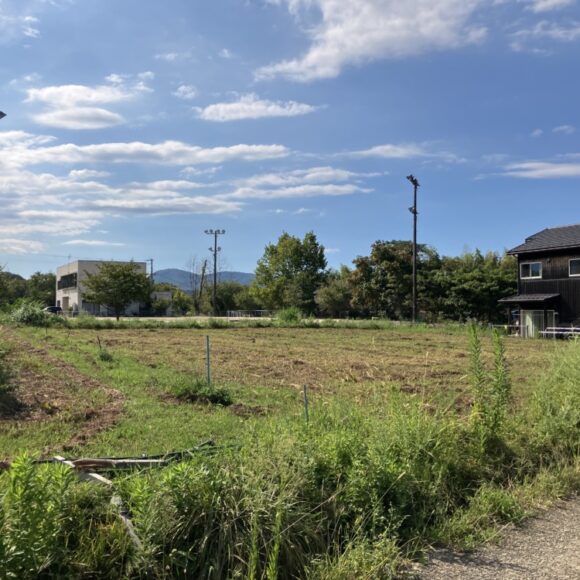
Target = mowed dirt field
(329,359)
(71,398)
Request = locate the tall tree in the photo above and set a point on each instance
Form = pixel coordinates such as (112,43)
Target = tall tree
(117,285)
(335,296)
(290,272)
(382,282)
(42,288)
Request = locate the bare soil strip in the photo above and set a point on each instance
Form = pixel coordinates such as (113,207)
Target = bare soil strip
(545,548)
(51,389)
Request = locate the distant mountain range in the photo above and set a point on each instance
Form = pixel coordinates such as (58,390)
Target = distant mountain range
(182,278)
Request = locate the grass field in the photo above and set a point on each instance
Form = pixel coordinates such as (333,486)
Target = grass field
(125,405)
(417,436)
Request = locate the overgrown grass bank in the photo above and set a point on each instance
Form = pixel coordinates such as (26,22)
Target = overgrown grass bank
(353,493)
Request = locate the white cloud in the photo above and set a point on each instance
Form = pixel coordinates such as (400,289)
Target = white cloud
(81,174)
(196,171)
(77,203)
(159,205)
(79,118)
(536,133)
(525,40)
(16,246)
(72,95)
(355,32)
(93,243)
(564,129)
(225,53)
(542,170)
(174,56)
(252,107)
(406,151)
(23,152)
(299,191)
(166,153)
(71,106)
(302,176)
(169,184)
(549,5)
(331,250)
(186,92)
(29,28)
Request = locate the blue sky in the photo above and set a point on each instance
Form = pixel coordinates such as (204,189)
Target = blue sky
(132,126)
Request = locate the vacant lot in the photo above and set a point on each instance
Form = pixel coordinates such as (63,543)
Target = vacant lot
(72,396)
(400,452)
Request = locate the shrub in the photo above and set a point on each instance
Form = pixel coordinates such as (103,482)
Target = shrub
(290,315)
(30,313)
(199,391)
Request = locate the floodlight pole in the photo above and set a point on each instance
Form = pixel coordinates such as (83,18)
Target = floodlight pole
(414,211)
(215,250)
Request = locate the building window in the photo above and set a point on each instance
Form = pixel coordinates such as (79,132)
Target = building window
(531,270)
(68,281)
(574,267)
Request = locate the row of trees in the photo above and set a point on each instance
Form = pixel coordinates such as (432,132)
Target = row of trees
(294,272)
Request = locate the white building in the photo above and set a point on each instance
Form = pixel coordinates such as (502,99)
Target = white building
(70,287)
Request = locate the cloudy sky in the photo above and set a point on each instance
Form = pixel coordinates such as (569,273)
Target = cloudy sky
(132,126)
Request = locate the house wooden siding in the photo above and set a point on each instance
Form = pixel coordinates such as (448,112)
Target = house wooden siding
(555,280)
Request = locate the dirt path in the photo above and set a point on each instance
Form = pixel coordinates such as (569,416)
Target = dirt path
(547,547)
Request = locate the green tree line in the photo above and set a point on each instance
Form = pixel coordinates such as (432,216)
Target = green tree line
(293,272)
(40,287)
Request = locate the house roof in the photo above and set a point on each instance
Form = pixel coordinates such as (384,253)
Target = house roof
(550,239)
(523,298)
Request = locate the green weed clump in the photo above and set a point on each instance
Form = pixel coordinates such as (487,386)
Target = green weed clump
(491,390)
(291,315)
(199,390)
(6,385)
(51,526)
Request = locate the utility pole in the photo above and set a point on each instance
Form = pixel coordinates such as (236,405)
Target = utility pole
(215,250)
(414,211)
(150,260)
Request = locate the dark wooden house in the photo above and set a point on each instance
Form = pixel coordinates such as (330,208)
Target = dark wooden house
(548,280)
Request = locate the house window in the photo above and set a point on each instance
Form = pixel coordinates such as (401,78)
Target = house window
(531,270)
(574,267)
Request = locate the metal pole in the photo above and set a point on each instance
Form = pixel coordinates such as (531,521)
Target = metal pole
(215,250)
(414,211)
(208,361)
